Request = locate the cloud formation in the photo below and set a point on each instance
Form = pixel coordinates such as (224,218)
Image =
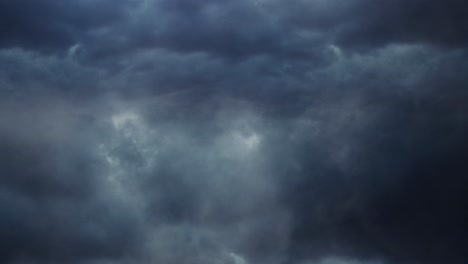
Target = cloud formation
(267,131)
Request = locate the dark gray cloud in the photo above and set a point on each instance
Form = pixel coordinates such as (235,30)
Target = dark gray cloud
(52,207)
(439,23)
(233,30)
(265,131)
(50,25)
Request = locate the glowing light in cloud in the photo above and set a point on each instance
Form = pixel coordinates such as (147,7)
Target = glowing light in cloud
(237,259)
(241,144)
(122,119)
(251,141)
(73,49)
(336,51)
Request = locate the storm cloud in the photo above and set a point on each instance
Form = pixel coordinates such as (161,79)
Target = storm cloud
(233,132)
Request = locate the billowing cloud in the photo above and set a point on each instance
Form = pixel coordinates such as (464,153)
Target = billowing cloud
(267,131)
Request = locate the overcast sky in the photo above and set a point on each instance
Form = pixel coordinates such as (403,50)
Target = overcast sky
(233,131)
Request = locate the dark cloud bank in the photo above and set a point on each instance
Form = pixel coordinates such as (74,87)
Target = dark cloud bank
(216,131)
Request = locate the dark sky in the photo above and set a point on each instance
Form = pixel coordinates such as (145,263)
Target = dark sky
(234,132)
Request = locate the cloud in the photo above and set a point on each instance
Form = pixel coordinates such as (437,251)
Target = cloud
(50,25)
(233,132)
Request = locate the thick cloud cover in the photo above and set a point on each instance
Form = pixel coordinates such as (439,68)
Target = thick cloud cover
(215,131)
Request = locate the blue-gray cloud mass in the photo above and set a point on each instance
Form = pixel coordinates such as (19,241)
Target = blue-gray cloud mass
(233,132)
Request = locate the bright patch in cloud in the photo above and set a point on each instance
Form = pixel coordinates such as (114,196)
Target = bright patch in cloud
(122,119)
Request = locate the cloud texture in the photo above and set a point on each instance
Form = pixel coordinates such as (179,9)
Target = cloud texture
(233,132)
